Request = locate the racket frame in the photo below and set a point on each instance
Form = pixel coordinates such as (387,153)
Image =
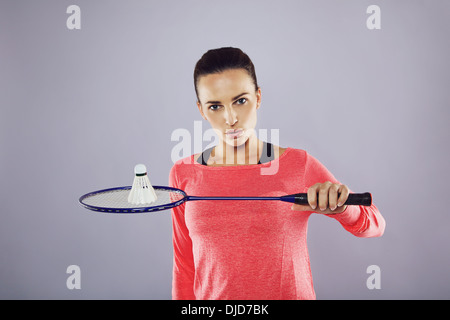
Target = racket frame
(132,210)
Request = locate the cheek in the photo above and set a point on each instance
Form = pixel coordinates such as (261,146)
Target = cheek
(250,117)
(216,123)
(215,120)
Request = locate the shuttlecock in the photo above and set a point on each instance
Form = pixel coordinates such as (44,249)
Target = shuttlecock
(142,191)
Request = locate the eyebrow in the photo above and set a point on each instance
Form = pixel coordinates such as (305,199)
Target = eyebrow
(235,98)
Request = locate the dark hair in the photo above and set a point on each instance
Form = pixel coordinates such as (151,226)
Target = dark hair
(221,59)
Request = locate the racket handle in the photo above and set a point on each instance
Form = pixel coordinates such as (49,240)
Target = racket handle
(361,199)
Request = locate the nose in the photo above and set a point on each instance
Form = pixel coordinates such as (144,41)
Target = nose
(230,116)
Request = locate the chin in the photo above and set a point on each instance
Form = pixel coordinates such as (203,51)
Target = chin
(236,142)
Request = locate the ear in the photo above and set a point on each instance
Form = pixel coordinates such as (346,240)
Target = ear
(199,106)
(258,98)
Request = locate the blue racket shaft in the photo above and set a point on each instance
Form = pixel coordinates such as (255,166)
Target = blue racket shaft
(362,199)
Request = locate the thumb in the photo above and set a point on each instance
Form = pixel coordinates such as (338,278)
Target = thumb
(301,207)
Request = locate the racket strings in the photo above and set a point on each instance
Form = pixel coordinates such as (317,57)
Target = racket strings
(119,199)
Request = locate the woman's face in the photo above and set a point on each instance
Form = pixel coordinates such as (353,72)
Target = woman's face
(228,100)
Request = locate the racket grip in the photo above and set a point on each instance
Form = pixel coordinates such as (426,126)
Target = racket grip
(361,199)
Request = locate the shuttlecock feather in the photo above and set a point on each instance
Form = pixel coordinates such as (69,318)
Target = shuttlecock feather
(142,191)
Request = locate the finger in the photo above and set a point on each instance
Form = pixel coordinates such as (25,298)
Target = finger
(323,195)
(344,192)
(333,196)
(312,195)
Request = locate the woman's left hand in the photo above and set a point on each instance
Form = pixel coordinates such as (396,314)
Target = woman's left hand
(327,198)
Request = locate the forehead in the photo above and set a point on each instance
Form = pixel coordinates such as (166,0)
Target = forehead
(224,84)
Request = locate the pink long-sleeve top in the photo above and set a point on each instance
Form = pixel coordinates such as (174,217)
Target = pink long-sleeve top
(245,249)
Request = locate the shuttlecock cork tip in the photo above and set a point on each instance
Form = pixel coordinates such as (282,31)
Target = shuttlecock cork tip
(140,170)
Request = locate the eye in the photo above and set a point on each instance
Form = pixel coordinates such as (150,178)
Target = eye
(241,101)
(213,107)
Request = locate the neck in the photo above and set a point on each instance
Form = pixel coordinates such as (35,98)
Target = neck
(245,154)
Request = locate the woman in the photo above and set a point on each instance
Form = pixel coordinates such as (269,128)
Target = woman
(249,249)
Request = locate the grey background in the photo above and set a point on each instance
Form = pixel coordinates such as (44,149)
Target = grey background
(79,108)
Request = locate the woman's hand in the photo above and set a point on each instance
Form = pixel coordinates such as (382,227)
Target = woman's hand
(325,198)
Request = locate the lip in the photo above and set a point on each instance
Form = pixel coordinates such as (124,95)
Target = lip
(235,133)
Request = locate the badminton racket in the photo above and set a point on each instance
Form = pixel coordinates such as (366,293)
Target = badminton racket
(115,200)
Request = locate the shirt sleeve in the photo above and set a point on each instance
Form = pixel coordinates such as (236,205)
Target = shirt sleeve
(361,221)
(183,261)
